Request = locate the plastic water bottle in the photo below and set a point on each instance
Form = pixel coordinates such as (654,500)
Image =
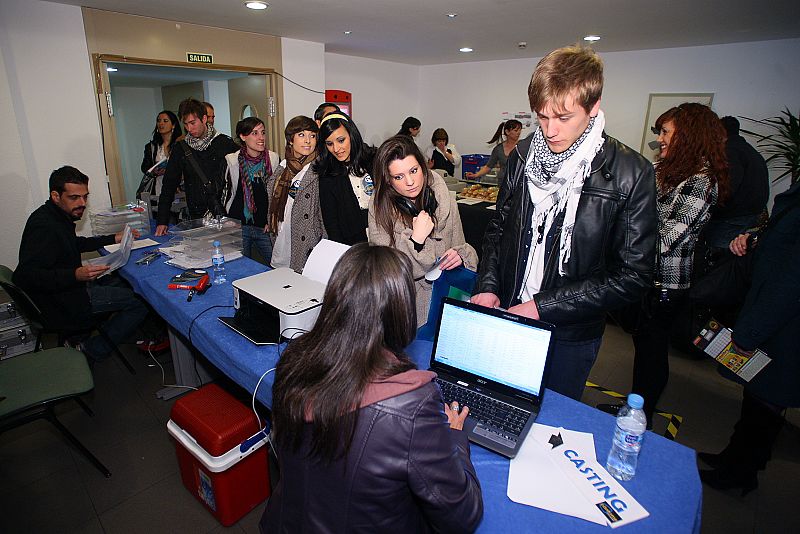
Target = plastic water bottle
(218,260)
(628,435)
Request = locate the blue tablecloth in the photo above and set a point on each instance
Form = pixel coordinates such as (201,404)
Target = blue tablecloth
(666,484)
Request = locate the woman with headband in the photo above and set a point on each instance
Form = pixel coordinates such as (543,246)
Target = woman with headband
(345,184)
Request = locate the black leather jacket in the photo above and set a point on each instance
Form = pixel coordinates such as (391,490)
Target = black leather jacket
(613,243)
(406,471)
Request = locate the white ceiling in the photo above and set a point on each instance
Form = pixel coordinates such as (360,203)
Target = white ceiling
(417,31)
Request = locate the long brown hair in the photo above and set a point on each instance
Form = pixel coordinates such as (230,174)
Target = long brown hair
(385,197)
(697,146)
(368,314)
(280,192)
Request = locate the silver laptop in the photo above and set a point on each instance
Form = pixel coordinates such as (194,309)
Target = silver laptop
(495,363)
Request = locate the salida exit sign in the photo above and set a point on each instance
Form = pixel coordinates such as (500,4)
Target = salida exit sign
(195,57)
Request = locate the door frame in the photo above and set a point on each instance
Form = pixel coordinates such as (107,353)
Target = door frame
(108,128)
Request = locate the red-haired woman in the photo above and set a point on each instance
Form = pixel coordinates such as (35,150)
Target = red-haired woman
(691,176)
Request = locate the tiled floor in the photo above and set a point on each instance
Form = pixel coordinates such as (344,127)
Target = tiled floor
(46,486)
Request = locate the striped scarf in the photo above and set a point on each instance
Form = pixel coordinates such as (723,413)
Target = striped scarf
(251,169)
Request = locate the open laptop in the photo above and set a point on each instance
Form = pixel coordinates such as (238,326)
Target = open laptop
(495,363)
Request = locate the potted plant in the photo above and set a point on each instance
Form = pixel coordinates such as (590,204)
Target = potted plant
(782,144)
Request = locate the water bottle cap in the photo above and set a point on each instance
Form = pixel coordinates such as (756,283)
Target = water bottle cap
(216,243)
(635,401)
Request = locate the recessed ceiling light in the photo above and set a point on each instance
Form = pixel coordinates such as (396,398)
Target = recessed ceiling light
(111,69)
(253,4)
(591,38)
(451,15)
(347,32)
(465,49)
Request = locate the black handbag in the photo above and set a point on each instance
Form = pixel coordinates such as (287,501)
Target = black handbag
(726,284)
(147,185)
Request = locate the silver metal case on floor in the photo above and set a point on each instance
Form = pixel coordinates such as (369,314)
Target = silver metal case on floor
(16,336)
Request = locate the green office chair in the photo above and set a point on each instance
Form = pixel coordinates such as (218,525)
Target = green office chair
(32,384)
(31,312)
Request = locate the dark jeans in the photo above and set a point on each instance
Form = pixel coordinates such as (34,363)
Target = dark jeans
(129,311)
(254,236)
(651,356)
(570,364)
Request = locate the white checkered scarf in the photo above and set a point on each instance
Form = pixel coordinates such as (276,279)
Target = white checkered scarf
(555,181)
(202,143)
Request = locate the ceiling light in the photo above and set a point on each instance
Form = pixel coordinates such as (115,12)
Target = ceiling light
(111,69)
(253,4)
(465,49)
(347,32)
(592,38)
(451,15)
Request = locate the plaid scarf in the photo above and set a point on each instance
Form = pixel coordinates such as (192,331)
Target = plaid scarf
(251,169)
(555,182)
(202,143)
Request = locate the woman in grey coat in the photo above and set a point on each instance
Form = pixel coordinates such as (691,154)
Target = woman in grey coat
(294,212)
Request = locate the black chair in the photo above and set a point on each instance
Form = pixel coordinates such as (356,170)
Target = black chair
(32,384)
(31,312)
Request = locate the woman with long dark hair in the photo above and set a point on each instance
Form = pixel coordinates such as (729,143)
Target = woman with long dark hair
(295,217)
(165,134)
(413,211)
(345,184)
(246,196)
(364,441)
(506,137)
(692,177)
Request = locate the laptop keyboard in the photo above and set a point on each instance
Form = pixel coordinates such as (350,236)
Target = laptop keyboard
(507,418)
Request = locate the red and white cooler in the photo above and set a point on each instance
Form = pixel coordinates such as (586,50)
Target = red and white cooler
(221,453)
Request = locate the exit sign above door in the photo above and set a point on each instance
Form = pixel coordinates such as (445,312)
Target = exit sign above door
(194,57)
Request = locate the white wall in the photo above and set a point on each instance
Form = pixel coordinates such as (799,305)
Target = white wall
(754,79)
(216,93)
(384,93)
(136,109)
(304,63)
(49,109)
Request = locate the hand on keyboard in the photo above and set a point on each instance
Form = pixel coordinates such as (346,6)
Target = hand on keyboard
(456,415)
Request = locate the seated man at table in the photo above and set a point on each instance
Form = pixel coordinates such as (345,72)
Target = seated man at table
(50,270)
(575,229)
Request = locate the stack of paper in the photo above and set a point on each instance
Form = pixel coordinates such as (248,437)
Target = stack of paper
(557,470)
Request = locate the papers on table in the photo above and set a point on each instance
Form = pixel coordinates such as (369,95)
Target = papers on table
(140,243)
(119,257)
(557,470)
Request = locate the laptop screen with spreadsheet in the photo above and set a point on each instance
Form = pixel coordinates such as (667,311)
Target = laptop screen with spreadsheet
(493,344)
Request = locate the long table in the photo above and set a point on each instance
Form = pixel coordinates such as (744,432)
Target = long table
(667,483)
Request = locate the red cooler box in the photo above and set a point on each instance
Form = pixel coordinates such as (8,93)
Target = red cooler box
(221,452)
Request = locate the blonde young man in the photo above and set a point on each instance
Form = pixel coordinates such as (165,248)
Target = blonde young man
(575,229)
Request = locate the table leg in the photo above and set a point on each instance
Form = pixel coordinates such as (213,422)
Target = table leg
(189,370)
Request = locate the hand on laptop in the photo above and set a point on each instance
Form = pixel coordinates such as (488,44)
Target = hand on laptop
(456,415)
(526,309)
(489,300)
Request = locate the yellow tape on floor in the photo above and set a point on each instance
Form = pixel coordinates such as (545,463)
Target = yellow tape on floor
(673,420)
